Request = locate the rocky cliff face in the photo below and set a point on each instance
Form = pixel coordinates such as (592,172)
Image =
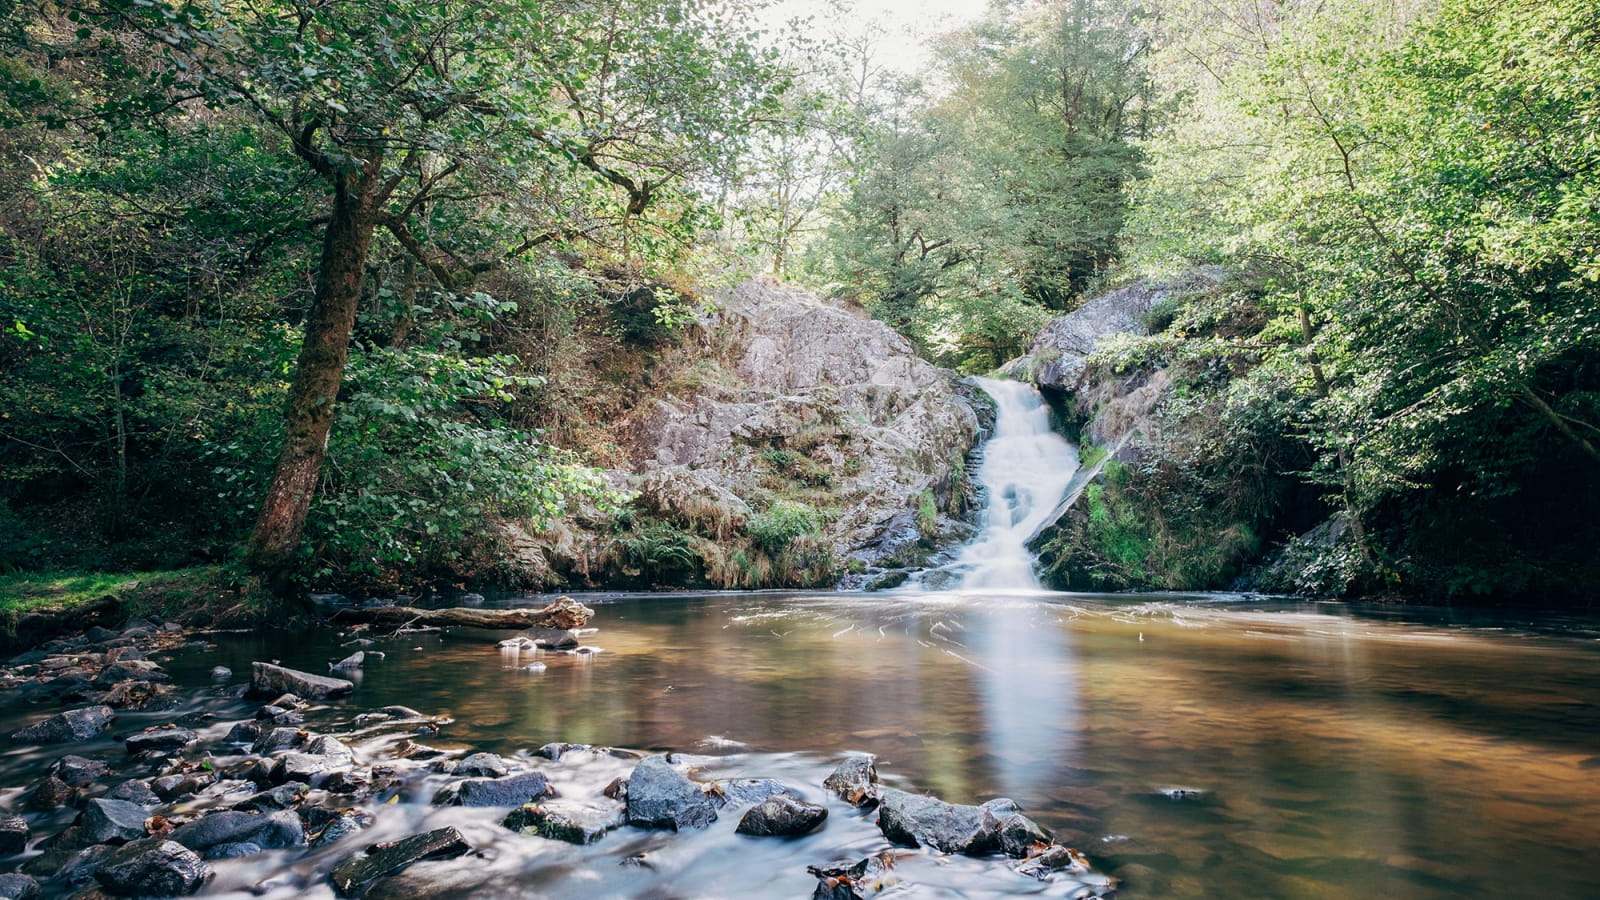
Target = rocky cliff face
(796,440)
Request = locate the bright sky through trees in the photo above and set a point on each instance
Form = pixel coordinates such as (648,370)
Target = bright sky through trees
(905,24)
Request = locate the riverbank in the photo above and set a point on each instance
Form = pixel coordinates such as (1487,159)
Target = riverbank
(36,607)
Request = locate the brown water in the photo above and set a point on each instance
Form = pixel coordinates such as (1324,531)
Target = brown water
(1336,755)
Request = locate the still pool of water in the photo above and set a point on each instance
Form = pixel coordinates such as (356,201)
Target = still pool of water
(1335,754)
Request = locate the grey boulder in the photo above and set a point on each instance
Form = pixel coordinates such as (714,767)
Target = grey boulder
(153,868)
(67,727)
(660,796)
(268,680)
(782,816)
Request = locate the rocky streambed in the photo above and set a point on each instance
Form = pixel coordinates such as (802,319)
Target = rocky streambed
(289,788)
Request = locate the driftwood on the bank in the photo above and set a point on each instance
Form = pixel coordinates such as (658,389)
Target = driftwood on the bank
(564,613)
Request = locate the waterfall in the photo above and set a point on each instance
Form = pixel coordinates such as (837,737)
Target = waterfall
(1024,470)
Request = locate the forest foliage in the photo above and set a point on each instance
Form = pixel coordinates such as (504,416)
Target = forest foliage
(435,235)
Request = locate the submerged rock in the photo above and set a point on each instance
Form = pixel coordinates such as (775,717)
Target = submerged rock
(660,796)
(14,834)
(855,781)
(355,874)
(575,823)
(267,680)
(67,727)
(782,816)
(854,881)
(153,868)
(18,887)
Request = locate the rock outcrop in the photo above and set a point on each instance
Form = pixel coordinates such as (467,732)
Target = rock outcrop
(798,439)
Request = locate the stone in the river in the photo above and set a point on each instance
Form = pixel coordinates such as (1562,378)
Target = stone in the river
(355,874)
(855,781)
(557,750)
(18,887)
(485,765)
(660,796)
(52,794)
(138,695)
(854,881)
(269,830)
(782,816)
(234,850)
(284,796)
(153,867)
(135,791)
(106,821)
(351,663)
(14,835)
(747,791)
(161,740)
(1020,835)
(920,821)
(1054,858)
(513,790)
(341,826)
(77,770)
(575,823)
(132,670)
(221,673)
(277,740)
(72,725)
(267,680)
(171,787)
(243,733)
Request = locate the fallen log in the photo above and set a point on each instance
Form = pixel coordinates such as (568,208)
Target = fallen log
(563,613)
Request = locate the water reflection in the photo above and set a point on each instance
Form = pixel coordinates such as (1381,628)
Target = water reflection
(1334,756)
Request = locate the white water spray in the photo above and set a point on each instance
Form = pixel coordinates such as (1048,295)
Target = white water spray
(1024,472)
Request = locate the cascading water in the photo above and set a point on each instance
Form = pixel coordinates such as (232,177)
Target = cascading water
(1024,471)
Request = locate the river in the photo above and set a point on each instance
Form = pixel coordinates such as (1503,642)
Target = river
(1334,752)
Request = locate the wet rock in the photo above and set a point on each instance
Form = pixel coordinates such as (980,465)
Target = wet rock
(854,881)
(782,816)
(660,796)
(171,787)
(243,733)
(139,695)
(221,673)
(73,868)
(51,794)
(234,850)
(920,821)
(268,680)
(355,874)
(107,821)
(284,796)
(1054,858)
(1019,835)
(278,740)
(557,750)
(616,790)
(18,887)
(160,740)
(486,765)
(747,791)
(132,670)
(351,663)
(67,727)
(77,769)
(513,790)
(270,830)
(135,791)
(575,823)
(153,868)
(323,756)
(14,835)
(341,826)
(855,781)
(1181,793)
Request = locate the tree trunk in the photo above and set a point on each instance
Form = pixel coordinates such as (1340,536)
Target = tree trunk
(318,374)
(563,613)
